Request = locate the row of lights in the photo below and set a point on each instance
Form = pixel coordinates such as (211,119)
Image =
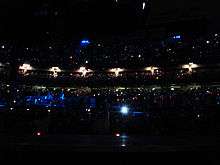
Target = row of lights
(28,109)
(83,70)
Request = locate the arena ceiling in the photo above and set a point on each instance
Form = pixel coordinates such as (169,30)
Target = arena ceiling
(73,16)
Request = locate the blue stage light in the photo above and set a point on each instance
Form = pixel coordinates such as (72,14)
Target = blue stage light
(124,110)
(85,42)
(177,37)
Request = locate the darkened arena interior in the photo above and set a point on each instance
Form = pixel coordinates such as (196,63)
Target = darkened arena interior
(109,76)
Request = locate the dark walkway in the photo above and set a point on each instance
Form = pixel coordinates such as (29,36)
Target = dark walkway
(109,143)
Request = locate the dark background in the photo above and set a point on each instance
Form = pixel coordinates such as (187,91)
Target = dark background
(25,19)
(67,18)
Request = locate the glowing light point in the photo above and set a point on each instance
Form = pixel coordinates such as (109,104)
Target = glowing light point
(190,67)
(116,71)
(85,42)
(25,68)
(84,71)
(143,5)
(123,145)
(117,135)
(55,71)
(177,37)
(124,110)
(151,69)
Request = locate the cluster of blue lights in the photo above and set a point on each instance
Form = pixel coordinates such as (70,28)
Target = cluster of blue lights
(177,37)
(59,100)
(46,101)
(85,42)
